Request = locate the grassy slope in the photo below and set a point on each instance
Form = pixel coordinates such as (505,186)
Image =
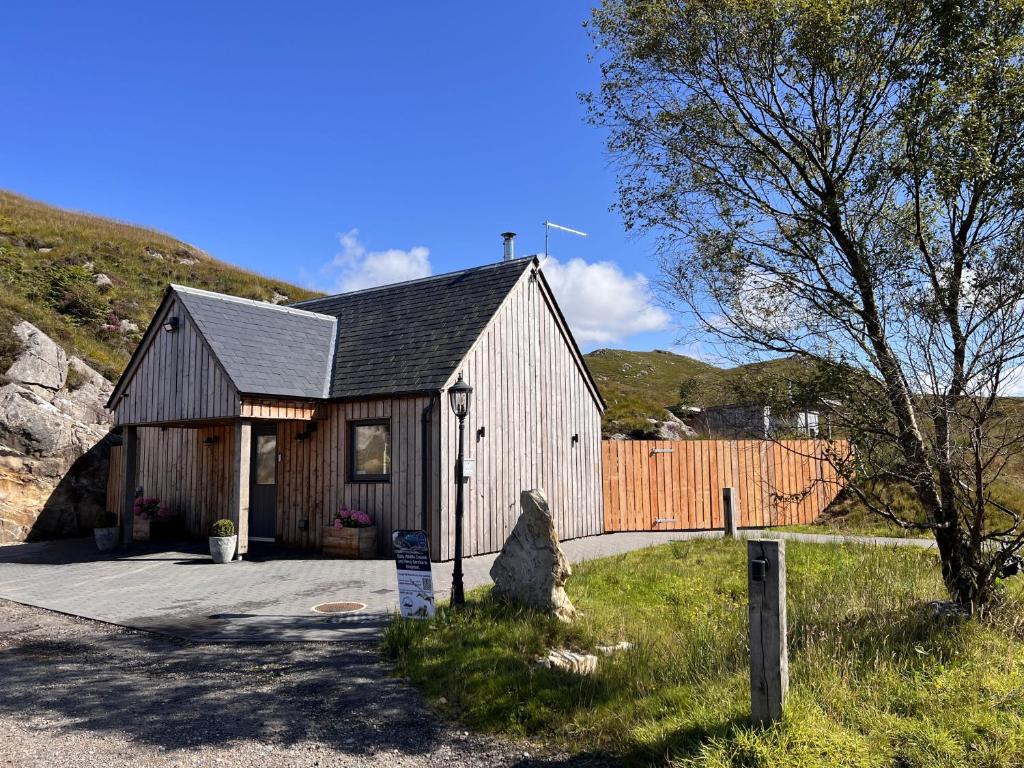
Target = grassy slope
(640,385)
(55,289)
(874,681)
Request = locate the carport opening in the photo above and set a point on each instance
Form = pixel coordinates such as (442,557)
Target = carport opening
(338,607)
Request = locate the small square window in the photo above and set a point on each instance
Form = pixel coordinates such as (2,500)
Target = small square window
(369,451)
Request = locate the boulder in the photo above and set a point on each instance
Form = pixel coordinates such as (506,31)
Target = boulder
(54,450)
(532,568)
(674,428)
(42,363)
(103,282)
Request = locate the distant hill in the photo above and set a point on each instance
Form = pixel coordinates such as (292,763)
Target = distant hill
(93,283)
(639,386)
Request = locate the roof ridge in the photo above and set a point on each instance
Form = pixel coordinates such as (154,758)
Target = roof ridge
(298,304)
(287,308)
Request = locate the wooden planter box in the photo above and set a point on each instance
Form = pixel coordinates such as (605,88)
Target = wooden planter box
(350,542)
(140,529)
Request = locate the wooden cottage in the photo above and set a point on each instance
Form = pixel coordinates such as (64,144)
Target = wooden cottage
(276,416)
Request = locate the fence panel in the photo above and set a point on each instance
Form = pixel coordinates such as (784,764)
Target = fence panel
(661,485)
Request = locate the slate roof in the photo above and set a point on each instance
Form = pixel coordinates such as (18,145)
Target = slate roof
(265,349)
(409,337)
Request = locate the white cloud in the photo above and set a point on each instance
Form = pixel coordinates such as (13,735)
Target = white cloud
(354,267)
(601,303)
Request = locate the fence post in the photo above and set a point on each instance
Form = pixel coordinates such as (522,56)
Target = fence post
(729,514)
(769,655)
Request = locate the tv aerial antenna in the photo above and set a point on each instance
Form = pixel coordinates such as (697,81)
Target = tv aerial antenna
(549,225)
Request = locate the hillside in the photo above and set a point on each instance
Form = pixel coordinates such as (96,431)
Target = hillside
(92,283)
(639,386)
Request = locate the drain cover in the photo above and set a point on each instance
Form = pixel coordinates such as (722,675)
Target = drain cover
(338,607)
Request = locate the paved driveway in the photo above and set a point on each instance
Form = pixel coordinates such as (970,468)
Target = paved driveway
(183,593)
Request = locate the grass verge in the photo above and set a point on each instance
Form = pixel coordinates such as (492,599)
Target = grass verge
(875,681)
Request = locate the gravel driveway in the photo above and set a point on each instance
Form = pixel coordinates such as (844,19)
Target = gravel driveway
(75,692)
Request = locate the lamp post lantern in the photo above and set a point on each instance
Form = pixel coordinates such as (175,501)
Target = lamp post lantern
(459,396)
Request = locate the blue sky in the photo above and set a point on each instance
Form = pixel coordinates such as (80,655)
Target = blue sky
(333,144)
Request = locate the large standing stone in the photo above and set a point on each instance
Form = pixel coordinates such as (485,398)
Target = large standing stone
(532,568)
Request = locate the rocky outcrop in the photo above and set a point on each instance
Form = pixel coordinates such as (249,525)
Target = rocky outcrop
(672,428)
(53,455)
(532,568)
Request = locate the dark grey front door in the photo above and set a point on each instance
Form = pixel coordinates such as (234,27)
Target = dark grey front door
(263,483)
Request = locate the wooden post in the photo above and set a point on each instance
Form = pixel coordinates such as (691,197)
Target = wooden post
(769,655)
(129,464)
(729,512)
(240,484)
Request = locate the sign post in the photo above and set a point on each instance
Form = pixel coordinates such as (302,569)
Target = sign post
(415,585)
(769,654)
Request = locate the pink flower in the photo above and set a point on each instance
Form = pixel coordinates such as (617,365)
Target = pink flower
(337,523)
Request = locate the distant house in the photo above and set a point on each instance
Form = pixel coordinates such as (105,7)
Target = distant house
(745,422)
(276,416)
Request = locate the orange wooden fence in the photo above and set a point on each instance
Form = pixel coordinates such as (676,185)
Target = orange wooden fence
(667,485)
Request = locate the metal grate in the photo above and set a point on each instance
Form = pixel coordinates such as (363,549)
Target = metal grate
(338,607)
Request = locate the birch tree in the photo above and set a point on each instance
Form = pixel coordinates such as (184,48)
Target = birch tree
(843,180)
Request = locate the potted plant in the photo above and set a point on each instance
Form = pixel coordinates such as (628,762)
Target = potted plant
(222,541)
(146,508)
(352,534)
(106,531)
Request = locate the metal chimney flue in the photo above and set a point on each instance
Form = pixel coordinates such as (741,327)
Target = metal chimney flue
(509,241)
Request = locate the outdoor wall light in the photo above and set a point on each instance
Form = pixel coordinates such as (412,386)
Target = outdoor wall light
(481,432)
(459,395)
(171,324)
(309,430)
(576,438)
(210,440)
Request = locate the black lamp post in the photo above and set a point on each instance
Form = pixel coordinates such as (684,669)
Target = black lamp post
(459,395)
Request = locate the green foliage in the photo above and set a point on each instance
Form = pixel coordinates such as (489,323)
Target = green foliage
(105,519)
(874,679)
(10,345)
(75,379)
(223,527)
(639,386)
(48,262)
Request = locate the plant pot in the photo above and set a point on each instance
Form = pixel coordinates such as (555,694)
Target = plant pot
(140,528)
(222,548)
(350,542)
(107,538)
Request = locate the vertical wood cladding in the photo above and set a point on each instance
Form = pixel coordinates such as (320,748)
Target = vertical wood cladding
(666,485)
(177,379)
(530,398)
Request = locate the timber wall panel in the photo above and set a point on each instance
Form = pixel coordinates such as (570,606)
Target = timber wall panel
(190,477)
(313,472)
(194,479)
(777,483)
(531,398)
(177,379)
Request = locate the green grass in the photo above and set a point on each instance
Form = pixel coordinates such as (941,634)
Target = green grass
(874,680)
(48,260)
(848,516)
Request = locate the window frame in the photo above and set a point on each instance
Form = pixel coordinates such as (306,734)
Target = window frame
(351,451)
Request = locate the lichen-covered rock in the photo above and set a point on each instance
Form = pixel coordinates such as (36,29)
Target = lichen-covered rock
(532,568)
(42,362)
